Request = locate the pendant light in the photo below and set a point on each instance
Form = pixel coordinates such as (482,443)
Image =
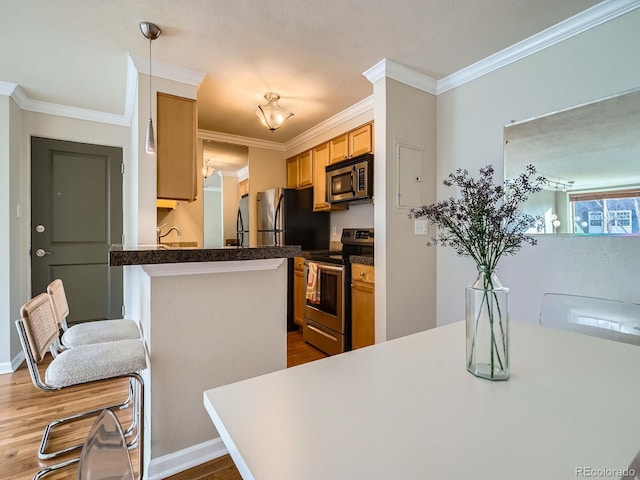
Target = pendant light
(150,31)
(272,114)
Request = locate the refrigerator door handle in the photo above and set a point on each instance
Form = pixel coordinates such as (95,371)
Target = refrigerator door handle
(277,230)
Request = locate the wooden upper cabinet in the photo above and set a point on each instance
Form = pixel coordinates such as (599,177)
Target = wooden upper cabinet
(320,160)
(305,169)
(338,148)
(361,141)
(176,148)
(243,188)
(351,144)
(292,172)
(300,170)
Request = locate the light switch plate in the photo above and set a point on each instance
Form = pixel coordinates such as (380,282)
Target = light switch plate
(421,227)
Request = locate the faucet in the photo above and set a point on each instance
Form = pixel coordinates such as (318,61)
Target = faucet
(162,235)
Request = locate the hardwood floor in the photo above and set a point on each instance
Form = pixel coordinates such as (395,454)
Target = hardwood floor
(25,411)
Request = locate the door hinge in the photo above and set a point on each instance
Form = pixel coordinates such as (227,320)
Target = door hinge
(122,309)
(122,168)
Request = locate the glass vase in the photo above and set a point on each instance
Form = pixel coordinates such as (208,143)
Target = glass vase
(487,319)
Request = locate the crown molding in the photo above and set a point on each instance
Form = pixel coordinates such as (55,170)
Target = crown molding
(30,105)
(170,72)
(389,68)
(353,111)
(7,88)
(240,140)
(590,18)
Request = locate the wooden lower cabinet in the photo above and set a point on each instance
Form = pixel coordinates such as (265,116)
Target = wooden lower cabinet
(299,290)
(362,306)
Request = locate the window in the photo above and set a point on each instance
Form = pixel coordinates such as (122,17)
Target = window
(607,212)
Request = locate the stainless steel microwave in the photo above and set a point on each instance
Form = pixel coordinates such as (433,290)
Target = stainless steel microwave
(350,180)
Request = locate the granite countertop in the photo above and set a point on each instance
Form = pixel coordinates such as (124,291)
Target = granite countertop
(362,259)
(155,254)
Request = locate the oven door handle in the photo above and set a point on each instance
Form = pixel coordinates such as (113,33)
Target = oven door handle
(322,266)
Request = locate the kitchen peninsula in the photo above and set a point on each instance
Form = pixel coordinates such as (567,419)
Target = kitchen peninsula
(209,317)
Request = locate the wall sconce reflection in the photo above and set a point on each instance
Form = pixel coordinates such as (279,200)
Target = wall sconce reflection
(207,168)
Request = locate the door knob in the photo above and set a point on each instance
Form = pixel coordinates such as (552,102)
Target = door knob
(41,253)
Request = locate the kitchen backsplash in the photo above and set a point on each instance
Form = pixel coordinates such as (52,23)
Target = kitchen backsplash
(358,216)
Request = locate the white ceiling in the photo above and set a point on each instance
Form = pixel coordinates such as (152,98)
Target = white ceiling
(311,52)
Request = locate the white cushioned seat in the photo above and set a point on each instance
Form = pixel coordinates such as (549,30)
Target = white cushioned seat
(87,333)
(100,331)
(89,363)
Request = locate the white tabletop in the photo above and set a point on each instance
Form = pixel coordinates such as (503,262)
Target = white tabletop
(408,409)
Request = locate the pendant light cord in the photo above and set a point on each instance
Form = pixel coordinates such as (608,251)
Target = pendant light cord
(150,75)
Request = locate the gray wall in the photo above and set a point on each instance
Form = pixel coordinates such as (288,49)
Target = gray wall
(594,64)
(12,245)
(405,267)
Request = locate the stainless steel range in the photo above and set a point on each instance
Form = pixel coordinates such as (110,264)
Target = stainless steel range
(327,311)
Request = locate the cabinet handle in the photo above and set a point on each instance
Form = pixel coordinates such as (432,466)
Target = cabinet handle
(362,274)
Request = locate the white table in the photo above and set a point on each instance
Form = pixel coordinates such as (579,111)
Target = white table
(408,409)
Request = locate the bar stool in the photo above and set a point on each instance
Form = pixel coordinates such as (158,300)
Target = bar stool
(86,364)
(88,332)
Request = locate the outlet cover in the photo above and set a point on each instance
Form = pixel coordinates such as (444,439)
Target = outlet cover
(421,227)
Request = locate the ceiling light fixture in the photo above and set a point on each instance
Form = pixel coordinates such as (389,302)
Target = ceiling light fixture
(150,31)
(272,115)
(558,184)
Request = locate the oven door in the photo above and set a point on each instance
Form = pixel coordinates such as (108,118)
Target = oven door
(327,310)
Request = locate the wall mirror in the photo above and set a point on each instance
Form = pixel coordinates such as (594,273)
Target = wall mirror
(590,156)
(225,211)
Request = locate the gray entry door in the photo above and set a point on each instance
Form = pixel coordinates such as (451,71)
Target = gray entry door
(76,214)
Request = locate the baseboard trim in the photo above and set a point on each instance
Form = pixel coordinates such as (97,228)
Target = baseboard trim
(185,459)
(12,366)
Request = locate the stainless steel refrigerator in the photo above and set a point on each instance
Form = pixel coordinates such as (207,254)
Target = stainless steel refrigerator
(242,222)
(285,217)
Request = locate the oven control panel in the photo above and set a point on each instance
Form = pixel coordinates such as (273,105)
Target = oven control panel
(357,236)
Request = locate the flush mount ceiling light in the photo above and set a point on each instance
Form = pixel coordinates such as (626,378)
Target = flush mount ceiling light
(272,115)
(150,31)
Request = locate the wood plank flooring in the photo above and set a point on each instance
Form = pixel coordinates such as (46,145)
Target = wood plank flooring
(25,411)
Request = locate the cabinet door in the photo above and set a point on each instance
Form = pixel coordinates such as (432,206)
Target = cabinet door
(338,148)
(243,188)
(305,169)
(360,141)
(299,296)
(362,306)
(363,318)
(292,172)
(176,143)
(320,160)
